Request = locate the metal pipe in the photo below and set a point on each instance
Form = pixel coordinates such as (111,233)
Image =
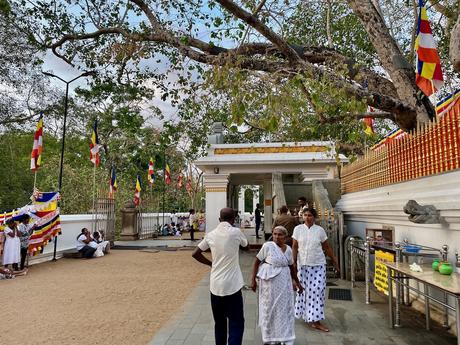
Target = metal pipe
(444,252)
(425,295)
(366,271)
(390,297)
(398,287)
(457,309)
(427,307)
(446,312)
(352,264)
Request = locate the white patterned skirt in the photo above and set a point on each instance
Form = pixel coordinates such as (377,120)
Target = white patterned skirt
(276,308)
(309,305)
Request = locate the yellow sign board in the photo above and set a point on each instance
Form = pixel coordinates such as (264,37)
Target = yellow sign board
(381,278)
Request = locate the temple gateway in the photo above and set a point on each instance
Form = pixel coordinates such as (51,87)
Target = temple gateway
(283,172)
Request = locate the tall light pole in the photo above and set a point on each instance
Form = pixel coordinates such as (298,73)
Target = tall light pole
(61,162)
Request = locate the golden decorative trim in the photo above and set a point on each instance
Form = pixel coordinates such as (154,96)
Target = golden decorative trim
(280,149)
(216,189)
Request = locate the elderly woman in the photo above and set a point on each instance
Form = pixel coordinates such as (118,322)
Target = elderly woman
(277,279)
(308,247)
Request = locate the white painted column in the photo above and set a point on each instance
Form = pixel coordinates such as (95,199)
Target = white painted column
(216,198)
(268,216)
(241,200)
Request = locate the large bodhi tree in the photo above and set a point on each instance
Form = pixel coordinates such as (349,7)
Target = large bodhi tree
(135,39)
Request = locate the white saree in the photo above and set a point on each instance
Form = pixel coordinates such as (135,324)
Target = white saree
(276,294)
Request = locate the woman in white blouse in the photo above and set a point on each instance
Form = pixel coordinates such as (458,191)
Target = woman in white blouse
(12,245)
(274,268)
(308,247)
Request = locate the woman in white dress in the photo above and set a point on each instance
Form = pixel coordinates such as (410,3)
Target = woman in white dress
(277,280)
(309,243)
(12,245)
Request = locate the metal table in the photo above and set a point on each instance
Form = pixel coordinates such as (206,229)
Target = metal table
(448,284)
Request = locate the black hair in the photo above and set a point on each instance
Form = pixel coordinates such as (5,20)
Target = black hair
(302,198)
(312,211)
(81,233)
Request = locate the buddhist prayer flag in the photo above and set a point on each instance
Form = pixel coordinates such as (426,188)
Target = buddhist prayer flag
(45,215)
(94,146)
(180,181)
(137,192)
(36,156)
(429,76)
(447,103)
(113,183)
(167,174)
(151,172)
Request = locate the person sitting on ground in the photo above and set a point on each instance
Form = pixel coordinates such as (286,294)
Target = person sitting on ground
(287,221)
(99,244)
(12,245)
(83,241)
(6,273)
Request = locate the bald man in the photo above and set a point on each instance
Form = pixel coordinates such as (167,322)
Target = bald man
(226,278)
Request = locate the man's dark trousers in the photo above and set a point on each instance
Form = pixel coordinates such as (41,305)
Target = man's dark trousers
(231,308)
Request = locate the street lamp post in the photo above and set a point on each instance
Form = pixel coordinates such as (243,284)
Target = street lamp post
(66,100)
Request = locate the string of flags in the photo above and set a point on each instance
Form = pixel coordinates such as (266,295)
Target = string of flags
(44,212)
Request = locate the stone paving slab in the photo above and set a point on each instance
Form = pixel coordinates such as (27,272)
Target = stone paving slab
(351,322)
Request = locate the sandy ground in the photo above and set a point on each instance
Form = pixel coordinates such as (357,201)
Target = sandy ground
(121,298)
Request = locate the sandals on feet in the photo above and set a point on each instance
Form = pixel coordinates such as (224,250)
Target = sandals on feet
(319,327)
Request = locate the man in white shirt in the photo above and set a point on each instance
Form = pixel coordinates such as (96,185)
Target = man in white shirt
(226,278)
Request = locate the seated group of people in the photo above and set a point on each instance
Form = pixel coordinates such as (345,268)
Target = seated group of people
(171,230)
(92,245)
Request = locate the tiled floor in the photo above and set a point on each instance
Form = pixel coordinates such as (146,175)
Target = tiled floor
(351,322)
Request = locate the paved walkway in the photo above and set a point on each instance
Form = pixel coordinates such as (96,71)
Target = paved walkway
(351,322)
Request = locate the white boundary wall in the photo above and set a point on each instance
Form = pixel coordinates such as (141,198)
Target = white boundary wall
(383,206)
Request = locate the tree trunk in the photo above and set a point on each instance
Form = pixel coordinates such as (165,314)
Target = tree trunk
(392,59)
(455,46)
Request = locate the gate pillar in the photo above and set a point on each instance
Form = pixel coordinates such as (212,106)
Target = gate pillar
(129,229)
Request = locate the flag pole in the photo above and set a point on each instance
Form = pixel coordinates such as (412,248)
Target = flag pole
(164,188)
(158,215)
(94,199)
(35,181)
(151,199)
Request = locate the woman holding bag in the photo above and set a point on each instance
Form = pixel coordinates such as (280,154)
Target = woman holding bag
(277,280)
